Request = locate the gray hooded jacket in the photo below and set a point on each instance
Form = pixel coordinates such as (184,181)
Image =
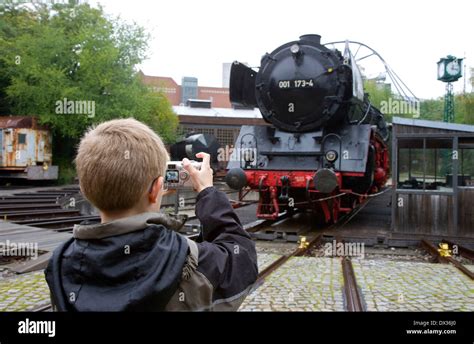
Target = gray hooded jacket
(140,263)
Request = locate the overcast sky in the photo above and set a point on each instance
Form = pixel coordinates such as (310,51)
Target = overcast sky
(194,37)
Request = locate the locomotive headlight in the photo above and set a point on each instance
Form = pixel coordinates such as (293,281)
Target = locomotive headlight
(331,156)
(295,49)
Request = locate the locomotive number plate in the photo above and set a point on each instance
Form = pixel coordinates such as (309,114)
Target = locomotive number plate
(297,83)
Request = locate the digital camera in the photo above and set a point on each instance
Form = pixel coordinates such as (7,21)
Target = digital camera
(176,177)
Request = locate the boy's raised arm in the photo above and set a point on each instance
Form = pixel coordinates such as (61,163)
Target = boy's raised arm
(227,255)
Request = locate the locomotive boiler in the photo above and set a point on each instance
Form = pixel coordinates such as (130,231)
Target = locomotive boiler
(325,148)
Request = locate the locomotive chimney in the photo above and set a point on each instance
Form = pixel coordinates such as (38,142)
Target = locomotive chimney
(313,38)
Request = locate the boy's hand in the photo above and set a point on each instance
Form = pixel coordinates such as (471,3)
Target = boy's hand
(201,179)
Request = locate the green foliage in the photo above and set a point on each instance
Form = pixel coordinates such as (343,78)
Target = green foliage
(49,53)
(433,109)
(430,109)
(382,97)
(162,118)
(464,108)
(67,172)
(378,92)
(471,79)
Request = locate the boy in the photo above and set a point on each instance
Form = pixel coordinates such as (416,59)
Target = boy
(133,260)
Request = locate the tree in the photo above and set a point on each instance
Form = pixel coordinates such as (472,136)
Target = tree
(382,97)
(471,79)
(430,109)
(73,67)
(378,92)
(464,108)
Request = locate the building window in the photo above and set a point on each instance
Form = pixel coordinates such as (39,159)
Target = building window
(425,164)
(226,137)
(21,139)
(466,167)
(186,130)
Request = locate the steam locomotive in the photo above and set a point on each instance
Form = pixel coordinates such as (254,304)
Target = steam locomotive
(325,148)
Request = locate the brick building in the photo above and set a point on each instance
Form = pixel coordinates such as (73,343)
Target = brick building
(219,96)
(203,109)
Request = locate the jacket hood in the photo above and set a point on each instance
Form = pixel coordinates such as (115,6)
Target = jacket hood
(131,264)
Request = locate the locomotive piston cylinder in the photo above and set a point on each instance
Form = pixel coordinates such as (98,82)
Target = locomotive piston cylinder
(325,180)
(236,178)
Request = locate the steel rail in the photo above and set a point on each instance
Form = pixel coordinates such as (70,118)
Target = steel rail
(433,251)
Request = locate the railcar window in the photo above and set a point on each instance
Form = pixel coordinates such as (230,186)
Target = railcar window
(21,139)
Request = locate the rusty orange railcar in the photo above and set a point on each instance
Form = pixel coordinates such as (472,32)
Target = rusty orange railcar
(25,149)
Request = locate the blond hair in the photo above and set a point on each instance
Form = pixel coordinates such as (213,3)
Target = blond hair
(117,161)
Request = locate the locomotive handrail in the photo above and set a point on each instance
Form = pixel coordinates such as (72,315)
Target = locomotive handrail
(366,113)
(397,81)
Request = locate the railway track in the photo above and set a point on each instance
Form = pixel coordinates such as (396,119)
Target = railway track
(21,207)
(351,291)
(14,216)
(48,208)
(437,254)
(353,300)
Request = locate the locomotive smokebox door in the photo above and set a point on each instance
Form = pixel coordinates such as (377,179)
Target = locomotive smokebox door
(300,86)
(242,85)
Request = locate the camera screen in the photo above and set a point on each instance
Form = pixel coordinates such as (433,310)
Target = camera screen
(172,176)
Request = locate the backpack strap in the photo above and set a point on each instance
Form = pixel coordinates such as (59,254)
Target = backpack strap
(192,260)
